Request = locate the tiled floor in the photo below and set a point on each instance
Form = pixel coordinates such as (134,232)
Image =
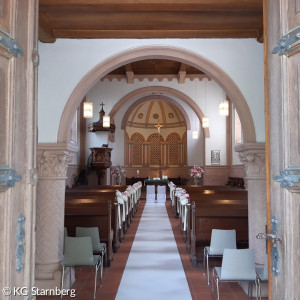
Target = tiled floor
(84,285)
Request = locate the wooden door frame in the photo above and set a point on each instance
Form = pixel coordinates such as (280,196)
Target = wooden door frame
(267,144)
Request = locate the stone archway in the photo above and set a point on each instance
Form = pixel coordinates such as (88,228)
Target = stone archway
(158,52)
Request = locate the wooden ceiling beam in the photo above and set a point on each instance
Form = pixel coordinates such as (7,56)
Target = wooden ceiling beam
(129,73)
(145,5)
(46,33)
(119,34)
(154,20)
(150,19)
(182,73)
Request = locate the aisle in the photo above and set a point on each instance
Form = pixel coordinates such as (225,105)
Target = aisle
(154,269)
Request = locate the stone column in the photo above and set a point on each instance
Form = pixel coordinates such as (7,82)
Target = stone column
(52,162)
(253,157)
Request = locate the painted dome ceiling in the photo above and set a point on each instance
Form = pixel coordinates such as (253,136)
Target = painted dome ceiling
(150,113)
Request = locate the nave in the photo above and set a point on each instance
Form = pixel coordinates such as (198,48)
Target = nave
(152,262)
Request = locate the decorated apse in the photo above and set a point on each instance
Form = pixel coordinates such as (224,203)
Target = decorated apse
(156,135)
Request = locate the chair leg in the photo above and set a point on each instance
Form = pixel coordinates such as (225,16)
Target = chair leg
(218,288)
(101,270)
(204,253)
(213,284)
(207,266)
(70,268)
(250,289)
(62,280)
(95,288)
(259,288)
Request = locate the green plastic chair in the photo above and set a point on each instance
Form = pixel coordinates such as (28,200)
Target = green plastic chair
(79,253)
(98,247)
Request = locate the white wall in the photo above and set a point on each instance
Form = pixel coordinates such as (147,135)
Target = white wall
(65,62)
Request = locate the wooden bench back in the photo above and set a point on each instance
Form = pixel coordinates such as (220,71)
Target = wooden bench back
(91,193)
(88,212)
(210,194)
(231,215)
(121,188)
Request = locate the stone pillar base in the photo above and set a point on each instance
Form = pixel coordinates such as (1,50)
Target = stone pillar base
(47,278)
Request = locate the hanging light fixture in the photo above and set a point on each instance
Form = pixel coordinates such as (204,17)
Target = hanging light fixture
(205,120)
(103,124)
(88,110)
(195,135)
(106,121)
(224,108)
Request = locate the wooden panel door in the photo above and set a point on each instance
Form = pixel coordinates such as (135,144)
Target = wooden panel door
(18,135)
(283,140)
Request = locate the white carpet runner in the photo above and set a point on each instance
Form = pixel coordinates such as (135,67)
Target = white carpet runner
(154,269)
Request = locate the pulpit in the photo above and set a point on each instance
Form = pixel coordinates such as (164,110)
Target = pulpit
(101,160)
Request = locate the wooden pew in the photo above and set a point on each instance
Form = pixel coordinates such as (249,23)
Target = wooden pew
(208,196)
(106,192)
(235,203)
(90,212)
(102,195)
(208,216)
(121,188)
(207,192)
(105,188)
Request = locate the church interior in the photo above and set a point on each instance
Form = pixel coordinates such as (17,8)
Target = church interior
(150,132)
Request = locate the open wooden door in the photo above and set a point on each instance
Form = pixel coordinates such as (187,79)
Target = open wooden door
(18,135)
(282,59)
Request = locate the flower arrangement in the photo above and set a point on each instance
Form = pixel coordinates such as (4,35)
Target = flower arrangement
(196,171)
(118,171)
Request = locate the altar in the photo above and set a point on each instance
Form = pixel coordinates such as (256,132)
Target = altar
(156,182)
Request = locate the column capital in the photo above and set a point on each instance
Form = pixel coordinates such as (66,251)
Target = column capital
(53,160)
(252,155)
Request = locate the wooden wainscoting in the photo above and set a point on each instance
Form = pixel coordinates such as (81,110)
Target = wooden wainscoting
(218,175)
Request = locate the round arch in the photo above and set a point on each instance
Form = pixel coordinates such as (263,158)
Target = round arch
(140,95)
(157,52)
